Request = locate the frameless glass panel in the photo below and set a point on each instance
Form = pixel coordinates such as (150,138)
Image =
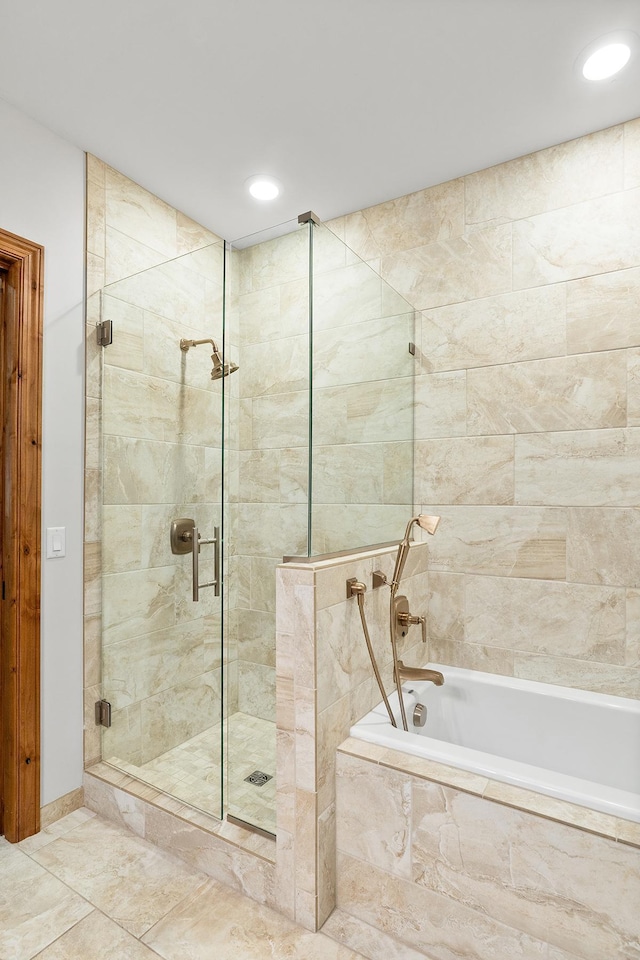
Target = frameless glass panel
(162,461)
(362,402)
(266,473)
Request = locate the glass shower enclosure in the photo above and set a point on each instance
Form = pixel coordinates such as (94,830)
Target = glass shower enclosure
(261,393)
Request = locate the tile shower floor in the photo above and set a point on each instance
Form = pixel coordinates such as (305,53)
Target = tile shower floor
(85,888)
(191,771)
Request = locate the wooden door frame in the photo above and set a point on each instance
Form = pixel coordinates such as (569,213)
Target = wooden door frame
(21,476)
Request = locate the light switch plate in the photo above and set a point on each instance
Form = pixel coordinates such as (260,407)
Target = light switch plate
(56,542)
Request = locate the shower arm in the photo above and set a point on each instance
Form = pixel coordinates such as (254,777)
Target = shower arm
(187,344)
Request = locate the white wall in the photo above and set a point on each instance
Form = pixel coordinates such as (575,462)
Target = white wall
(42,199)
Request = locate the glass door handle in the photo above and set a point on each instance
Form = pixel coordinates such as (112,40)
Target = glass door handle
(196,543)
(186,539)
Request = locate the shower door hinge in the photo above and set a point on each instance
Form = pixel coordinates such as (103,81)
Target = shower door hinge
(103,713)
(104,333)
(412,348)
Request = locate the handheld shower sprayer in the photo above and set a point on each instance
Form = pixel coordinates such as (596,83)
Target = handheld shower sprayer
(426,522)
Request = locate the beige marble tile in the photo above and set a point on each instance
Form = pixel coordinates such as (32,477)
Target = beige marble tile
(257,689)
(559,176)
(472,656)
(126,256)
(147,471)
(122,875)
(633,388)
(345,527)
(261,317)
(553,619)
(523,325)
(278,261)
(95,216)
(95,277)
(326,841)
(137,668)
(350,295)
(123,739)
(464,470)
(280,421)
(179,713)
(560,810)
(35,907)
(96,169)
(306,852)
(584,468)
(363,352)
(501,541)
(192,235)
(549,880)
(138,602)
(214,918)
(628,832)
(136,212)
(286,372)
(602,545)
(373,821)
(462,268)
(566,393)
(417,917)
(64,808)
(372,942)
(597,236)
(364,412)
(256,638)
(332,727)
(631,154)
(348,473)
(52,829)
(441,405)
(620,681)
(115,805)
(446,606)
(97,932)
(632,655)
(436,213)
(602,311)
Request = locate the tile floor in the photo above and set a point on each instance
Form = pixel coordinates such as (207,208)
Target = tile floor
(84,888)
(191,771)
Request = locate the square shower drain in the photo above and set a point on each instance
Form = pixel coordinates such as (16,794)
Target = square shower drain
(258,778)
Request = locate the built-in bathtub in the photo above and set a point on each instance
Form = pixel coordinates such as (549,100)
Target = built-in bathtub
(569,744)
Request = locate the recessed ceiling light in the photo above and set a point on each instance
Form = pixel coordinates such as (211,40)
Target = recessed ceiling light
(606,61)
(263,187)
(606,56)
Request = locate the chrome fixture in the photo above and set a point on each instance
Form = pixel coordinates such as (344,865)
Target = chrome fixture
(186,539)
(357,589)
(219,369)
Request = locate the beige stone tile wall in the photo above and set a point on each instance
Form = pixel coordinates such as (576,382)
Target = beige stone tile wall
(362,424)
(444,871)
(153,453)
(527,279)
(324,683)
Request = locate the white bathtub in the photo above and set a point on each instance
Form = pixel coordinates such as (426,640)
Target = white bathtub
(570,744)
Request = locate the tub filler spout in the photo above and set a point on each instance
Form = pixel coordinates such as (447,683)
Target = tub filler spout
(417,673)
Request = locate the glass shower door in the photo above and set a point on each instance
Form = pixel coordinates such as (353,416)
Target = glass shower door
(162,462)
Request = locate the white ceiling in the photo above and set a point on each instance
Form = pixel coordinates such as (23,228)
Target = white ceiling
(347,102)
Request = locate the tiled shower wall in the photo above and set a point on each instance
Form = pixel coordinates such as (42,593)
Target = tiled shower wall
(160,414)
(527,280)
(362,425)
